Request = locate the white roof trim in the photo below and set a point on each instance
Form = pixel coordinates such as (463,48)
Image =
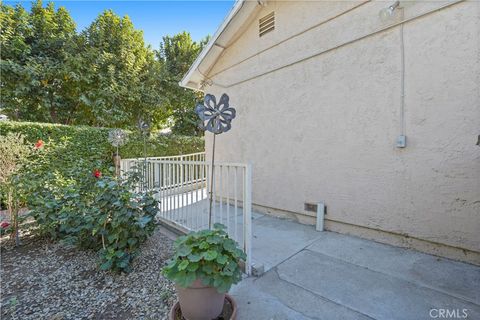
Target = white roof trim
(212,48)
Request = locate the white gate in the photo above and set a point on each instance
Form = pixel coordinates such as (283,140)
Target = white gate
(182,185)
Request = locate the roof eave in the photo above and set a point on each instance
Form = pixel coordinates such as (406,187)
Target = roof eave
(213,49)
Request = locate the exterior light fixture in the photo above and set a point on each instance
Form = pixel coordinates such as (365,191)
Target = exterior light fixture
(388,13)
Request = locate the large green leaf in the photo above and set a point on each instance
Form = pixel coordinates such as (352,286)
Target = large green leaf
(183,265)
(210,255)
(194,257)
(184,251)
(222,259)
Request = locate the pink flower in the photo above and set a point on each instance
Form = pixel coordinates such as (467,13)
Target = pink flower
(39,144)
(4,225)
(97,173)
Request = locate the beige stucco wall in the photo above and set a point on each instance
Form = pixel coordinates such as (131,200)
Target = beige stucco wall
(324,129)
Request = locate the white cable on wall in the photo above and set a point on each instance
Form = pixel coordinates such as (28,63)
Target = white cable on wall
(401,142)
(402,86)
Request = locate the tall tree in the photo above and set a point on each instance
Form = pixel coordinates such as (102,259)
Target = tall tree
(103,76)
(177,53)
(35,47)
(120,72)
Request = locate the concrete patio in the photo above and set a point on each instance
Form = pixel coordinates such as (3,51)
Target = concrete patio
(325,275)
(273,240)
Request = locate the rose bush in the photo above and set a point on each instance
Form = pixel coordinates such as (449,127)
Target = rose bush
(108,216)
(66,181)
(83,203)
(124,220)
(46,183)
(98,212)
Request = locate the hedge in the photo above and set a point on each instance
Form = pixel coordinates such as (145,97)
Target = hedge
(91,141)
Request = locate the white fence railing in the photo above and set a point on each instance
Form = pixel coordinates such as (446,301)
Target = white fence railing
(127,164)
(199,156)
(182,185)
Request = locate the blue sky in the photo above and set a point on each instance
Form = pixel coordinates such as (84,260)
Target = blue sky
(155,18)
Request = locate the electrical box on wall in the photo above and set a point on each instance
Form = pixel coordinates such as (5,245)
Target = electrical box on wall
(401,141)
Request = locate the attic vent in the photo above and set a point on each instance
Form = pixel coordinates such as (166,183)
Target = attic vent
(266,24)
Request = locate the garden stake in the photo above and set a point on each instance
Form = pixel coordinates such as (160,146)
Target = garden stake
(117,138)
(211,184)
(217,119)
(144,129)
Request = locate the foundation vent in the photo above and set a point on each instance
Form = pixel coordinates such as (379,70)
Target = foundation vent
(266,24)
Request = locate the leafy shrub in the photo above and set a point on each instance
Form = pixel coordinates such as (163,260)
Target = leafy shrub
(124,219)
(70,201)
(51,171)
(92,143)
(96,212)
(13,152)
(79,204)
(208,255)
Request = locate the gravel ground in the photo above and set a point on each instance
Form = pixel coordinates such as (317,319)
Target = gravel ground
(42,280)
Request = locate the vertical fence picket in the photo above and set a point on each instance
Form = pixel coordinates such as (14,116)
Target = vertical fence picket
(227,182)
(174,188)
(214,195)
(190,203)
(169,186)
(207,192)
(194,195)
(220,192)
(235,201)
(247,215)
(162,191)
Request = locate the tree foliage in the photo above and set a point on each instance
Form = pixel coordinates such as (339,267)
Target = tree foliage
(35,82)
(177,53)
(120,73)
(104,75)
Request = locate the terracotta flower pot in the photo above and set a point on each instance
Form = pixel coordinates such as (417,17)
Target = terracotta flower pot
(229,311)
(199,302)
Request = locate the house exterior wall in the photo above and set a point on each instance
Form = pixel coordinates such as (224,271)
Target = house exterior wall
(319,112)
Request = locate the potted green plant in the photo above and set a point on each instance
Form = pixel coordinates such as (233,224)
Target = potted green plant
(204,267)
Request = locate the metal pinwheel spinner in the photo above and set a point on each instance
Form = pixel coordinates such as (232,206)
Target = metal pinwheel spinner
(215,117)
(117,137)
